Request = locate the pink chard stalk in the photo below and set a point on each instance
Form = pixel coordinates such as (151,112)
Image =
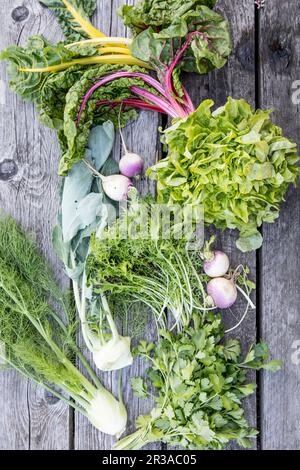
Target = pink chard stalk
(166,101)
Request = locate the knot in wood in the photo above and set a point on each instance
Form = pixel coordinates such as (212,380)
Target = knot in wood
(8,169)
(246,55)
(281,53)
(50,399)
(20,13)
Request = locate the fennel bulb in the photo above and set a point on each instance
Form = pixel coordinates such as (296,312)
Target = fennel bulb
(110,351)
(107,414)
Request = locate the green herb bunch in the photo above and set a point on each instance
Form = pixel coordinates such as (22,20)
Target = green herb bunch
(133,261)
(234,162)
(200,384)
(35,340)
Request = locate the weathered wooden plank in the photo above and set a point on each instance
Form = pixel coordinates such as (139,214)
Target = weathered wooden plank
(29,417)
(144,143)
(280,261)
(236,79)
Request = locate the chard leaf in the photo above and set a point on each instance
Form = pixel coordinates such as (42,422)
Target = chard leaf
(37,53)
(46,90)
(73,17)
(206,52)
(156,13)
(52,99)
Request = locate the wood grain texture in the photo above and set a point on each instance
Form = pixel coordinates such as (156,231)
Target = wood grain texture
(145,144)
(280,261)
(29,418)
(236,79)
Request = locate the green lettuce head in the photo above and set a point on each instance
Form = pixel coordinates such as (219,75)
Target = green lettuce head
(234,162)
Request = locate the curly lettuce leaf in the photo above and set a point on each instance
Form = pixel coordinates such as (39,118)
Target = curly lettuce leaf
(234,162)
(74,17)
(157,14)
(208,50)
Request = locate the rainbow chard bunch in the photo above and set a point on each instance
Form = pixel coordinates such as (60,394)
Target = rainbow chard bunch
(198,40)
(45,73)
(58,78)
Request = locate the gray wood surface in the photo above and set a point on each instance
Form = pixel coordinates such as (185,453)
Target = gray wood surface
(262,68)
(280,260)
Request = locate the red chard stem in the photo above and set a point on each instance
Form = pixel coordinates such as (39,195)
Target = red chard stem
(146,78)
(154,99)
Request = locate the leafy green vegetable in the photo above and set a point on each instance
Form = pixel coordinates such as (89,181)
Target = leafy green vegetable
(200,384)
(77,197)
(52,99)
(76,135)
(59,95)
(46,90)
(37,53)
(36,341)
(166,32)
(75,26)
(234,162)
(158,14)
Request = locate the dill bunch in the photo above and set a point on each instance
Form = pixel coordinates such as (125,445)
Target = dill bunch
(135,260)
(37,341)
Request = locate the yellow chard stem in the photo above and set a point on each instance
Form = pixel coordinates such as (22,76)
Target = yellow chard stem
(87,27)
(102,41)
(114,50)
(113,41)
(105,59)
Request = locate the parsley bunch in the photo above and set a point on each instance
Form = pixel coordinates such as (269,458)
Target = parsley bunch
(200,384)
